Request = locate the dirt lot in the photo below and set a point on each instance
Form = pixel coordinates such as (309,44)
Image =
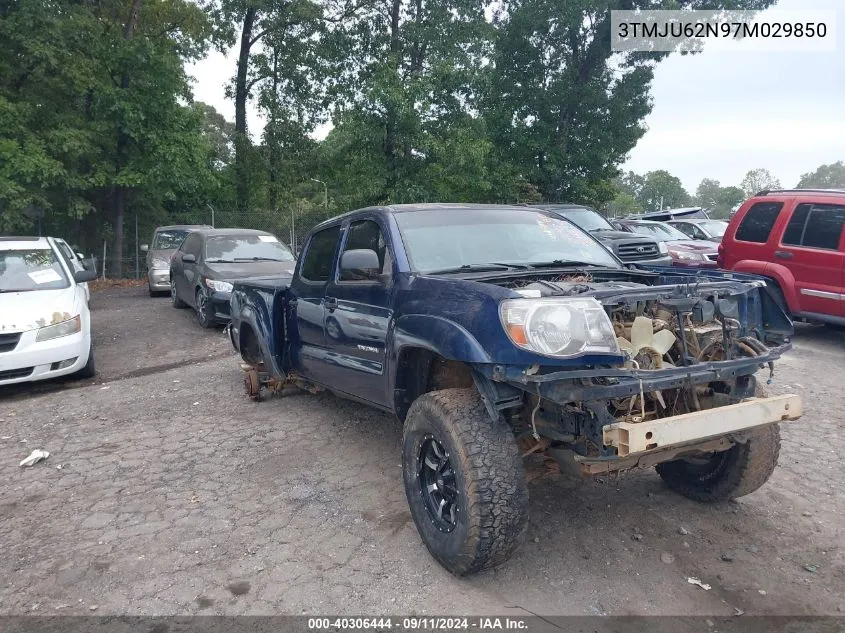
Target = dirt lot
(176,494)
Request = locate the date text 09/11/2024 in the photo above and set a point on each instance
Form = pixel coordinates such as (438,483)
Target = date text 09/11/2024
(482,623)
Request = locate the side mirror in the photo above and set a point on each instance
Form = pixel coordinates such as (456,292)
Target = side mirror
(82,276)
(145,248)
(80,256)
(187,258)
(359,265)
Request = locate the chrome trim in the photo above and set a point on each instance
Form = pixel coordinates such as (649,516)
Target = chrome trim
(822,294)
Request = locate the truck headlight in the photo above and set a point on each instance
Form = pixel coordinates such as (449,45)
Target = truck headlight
(158,262)
(65,328)
(218,286)
(662,248)
(559,327)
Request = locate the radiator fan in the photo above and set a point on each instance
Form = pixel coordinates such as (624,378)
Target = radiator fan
(647,347)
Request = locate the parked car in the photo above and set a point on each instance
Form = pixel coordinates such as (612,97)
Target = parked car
(671,214)
(166,241)
(682,250)
(628,248)
(698,229)
(209,260)
(496,331)
(45,325)
(794,238)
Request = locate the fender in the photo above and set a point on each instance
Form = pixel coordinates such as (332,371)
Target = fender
(779,273)
(439,335)
(258,319)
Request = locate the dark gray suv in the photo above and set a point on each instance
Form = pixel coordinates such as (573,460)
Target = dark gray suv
(630,248)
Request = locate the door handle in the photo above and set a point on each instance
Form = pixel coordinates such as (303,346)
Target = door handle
(783,254)
(330,303)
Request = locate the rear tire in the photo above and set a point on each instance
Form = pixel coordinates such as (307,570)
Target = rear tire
(464,481)
(734,473)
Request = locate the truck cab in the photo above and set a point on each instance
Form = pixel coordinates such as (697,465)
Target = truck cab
(494,332)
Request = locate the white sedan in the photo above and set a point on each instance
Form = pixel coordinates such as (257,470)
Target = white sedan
(45,325)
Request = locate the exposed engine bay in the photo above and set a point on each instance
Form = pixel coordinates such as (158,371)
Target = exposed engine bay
(659,328)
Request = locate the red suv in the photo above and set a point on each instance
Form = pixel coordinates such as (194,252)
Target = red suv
(795,239)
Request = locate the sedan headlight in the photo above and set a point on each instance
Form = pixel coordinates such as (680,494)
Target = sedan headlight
(218,286)
(562,328)
(65,328)
(688,256)
(159,262)
(662,248)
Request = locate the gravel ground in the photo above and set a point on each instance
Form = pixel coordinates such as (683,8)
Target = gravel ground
(169,492)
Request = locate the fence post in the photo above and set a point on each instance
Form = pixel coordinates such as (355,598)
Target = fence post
(137,265)
(104,260)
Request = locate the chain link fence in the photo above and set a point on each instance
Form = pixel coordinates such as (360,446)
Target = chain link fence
(94,239)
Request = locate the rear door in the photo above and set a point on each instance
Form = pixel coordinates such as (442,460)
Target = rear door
(813,248)
(308,293)
(357,315)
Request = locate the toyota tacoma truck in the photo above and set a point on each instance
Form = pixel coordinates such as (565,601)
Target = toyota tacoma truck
(496,332)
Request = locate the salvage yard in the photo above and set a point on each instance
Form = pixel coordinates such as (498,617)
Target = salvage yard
(167,491)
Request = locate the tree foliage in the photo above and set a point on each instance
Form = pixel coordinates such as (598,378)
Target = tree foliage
(757,180)
(825,177)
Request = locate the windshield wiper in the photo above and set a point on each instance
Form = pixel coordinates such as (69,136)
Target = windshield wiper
(475,268)
(219,261)
(257,259)
(564,263)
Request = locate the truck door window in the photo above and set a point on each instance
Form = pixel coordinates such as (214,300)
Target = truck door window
(367,234)
(815,226)
(319,257)
(758,222)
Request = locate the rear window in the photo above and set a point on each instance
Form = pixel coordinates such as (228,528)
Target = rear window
(758,222)
(815,226)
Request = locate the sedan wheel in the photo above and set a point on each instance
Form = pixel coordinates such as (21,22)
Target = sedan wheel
(174,299)
(204,316)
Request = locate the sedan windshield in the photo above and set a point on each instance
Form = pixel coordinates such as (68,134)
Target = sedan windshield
(443,239)
(31,269)
(587,219)
(168,240)
(662,232)
(245,248)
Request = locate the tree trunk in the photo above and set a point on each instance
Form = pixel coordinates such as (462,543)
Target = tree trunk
(242,144)
(272,138)
(390,114)
(119,192)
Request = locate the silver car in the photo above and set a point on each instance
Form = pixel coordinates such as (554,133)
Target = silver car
(166,241)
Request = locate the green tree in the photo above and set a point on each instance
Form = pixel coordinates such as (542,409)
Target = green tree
(561,104)
(825,177)
(662,190)
(758,180)
(622,204)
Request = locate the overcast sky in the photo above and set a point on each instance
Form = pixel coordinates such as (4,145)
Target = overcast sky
(716,114)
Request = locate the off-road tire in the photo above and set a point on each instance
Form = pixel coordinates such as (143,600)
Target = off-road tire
(202,303)
(174,298)
(90,369)
(492,492)
(736,472)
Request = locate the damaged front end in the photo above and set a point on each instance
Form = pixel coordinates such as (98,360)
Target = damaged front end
(674,378)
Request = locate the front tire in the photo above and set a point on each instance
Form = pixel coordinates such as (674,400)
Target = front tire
(464,481)
(174,298)
(203,307)
(90,370)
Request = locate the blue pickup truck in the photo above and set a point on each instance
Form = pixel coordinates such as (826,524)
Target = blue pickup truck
(495,333)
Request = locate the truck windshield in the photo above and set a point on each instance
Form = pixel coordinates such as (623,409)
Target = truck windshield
(440,239)
(587,219)
(31,269)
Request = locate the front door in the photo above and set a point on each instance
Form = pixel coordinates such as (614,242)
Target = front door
(357,317)
(813,249)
